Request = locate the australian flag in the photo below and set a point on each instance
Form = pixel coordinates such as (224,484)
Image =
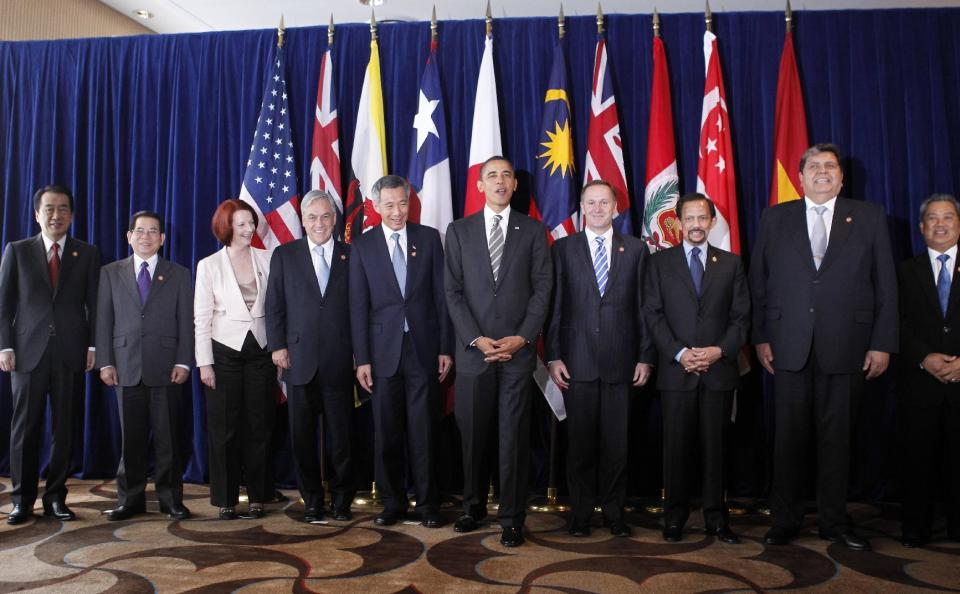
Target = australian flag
(554,200)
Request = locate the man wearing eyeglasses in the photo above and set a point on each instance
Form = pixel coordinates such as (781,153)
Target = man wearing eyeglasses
(824,319)
(144,350)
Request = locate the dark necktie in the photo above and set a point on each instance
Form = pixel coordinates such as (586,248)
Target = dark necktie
(696,269)
(943,283)
(54,265)
(143,282)
(496,246)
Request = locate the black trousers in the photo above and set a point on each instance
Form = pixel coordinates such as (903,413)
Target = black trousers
(240,417)
(494,402)
(145,410)
(930,428)
(598,417)
(694,422)
(406,411)
(30,390)
(334,405)
(808,402)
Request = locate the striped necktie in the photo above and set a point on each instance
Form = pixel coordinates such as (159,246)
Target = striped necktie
(496,246)
(600,267)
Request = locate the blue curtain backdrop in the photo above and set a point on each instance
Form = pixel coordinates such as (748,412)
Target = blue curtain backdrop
(165,123)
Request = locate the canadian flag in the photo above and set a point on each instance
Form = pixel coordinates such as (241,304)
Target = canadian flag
(715,176)
(485,136)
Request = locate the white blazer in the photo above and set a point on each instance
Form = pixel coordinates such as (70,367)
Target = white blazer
(219,311)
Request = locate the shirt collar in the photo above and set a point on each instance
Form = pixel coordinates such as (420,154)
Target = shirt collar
(488,215)
(48,243)
(688,247)
(830,204)
(151,262)
(327,247)
(388,232)
(952,252)
(607,236)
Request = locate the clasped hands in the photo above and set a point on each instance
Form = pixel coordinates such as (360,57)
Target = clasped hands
(499,350)
(946,368)
(698,360)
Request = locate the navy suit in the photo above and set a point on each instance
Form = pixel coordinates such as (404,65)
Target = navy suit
(50,330)
(404,364)
(314,327)
(820,324)
(600,340)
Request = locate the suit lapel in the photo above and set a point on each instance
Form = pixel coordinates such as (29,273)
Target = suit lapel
(510,245)
(681,268)
(478,230)
(67,262)
(161,276)
(304,261)
(128,279)
(614,256)
(413,267)
(338,266)
(39,256)
(839,232)
(709,271)
(582,248)
(796,231)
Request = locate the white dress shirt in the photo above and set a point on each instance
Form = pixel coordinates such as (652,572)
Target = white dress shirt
(402,240)
(48,246)
(327,253)
(151,265)
(812,215)
(936,264)
(488,215)
(592,242)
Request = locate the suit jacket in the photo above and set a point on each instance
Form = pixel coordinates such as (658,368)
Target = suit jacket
(31,310)
(314,328)
(678,318)
(923,328)
(599,337)
(842,310)
(515,305)
(219,310)
(144,342)
(378,309)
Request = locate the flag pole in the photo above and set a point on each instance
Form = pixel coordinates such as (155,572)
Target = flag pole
(599,19)
(280,31)
(708,17)
(656,22)
(788,14)
(489,21)
(330,32)
(433,24)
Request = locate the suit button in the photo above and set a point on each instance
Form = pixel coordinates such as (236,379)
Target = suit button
(596,330)
(816,281)
(811,310)
(946,329)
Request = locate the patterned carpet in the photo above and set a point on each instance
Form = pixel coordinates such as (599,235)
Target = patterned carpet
(281,554)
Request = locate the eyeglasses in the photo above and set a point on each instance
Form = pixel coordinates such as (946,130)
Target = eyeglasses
(140,232)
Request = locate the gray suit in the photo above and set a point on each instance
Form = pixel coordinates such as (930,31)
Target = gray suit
(144,343)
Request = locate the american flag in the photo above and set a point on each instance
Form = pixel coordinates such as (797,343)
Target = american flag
(270,182)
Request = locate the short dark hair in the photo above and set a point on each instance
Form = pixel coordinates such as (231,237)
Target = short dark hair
(53,189)
(693,197)
(222,223)
(599,182)
(823,147)
(938,198)
(490,160)
(145,214)
(389,182)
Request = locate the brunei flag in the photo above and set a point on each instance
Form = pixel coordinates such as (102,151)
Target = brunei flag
(790,129)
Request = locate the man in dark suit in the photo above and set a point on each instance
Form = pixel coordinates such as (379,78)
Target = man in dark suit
(308,332)
(598,348)
(48,300)
(402,344)
(824,294)
(145,348)
(698,308)
(498,280)
(929,410)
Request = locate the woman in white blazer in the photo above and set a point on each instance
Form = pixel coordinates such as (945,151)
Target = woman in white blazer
(235,367)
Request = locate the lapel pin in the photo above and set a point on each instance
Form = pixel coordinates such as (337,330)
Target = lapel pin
(160,278)
(343,256)
(713,259)
(517,227)
(621,249)
(74,254)
(849,219)
(413,254)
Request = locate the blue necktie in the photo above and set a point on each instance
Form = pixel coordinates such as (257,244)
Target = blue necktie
(400,270)
(323,270)
(143,282)
(943,283)
(600,267)
(696,269)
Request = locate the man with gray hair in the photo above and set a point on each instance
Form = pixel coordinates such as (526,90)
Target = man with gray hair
(402,343)
(929,394)
(308,332)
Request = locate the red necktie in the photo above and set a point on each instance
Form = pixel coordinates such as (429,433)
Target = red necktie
(54,265)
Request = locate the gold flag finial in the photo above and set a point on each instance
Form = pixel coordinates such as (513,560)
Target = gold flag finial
(433,24)
(373,25)
(599,19)
(561,25)
(656,22)
(708,17)
(330,31)
(280,31)
(489,20)
(788,14)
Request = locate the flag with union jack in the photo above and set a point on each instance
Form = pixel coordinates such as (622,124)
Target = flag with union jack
(325,154)
(270,181)
(604,145)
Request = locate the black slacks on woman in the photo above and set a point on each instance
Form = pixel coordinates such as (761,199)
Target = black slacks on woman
(240,418)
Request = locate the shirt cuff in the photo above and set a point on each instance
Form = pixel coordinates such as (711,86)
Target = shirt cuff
(92,349)
(182,366)
(679,354)
(474,341)
(6,350)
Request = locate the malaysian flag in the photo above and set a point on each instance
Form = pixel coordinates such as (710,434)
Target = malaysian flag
(270,182)
(325,155)
(604,145)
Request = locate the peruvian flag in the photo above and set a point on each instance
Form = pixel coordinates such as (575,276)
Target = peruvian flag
(485,136)
(790,129)
(369,158)
(604,147)
(715,177)
(661,227)
(325,156)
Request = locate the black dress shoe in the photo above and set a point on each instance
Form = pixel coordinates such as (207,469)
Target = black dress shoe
(254,512)
(19,514)
(313,515)
(673,533)
(431,520)
(342,514)
(579,530)
(723,534)
(847,538)
(228,513)
(388,518)
(465,523)
(58,510)
(512,536)
(620,528)
(177,511)
(124,512)
(779,536)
